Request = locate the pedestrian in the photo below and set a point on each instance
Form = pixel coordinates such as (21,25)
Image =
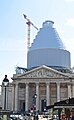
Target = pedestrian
(72,118)
(63,116)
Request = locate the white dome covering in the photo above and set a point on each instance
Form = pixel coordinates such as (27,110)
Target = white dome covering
(48,49)
(47,38)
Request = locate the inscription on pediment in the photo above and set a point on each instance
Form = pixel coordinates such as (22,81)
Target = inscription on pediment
(42,73)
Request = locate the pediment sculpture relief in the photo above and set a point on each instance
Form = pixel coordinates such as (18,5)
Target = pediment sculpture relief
(43,73)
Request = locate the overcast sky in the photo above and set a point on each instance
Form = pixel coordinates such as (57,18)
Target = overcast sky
(13,29)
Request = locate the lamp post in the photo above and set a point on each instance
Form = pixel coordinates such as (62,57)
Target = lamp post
(34,102)
(34,106)
(5,84)
(35,96)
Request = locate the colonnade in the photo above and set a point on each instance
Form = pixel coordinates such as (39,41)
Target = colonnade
(70,88)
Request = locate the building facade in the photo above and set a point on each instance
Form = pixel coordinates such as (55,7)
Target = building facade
(48,77)
(49,85)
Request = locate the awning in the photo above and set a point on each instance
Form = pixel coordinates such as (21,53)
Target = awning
(68,103)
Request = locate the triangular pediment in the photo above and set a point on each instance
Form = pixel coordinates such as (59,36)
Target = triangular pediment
(43,72)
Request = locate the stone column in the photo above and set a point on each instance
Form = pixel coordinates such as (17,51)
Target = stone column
(16,97)
(37,99)
(13,98)
(72,89)
(3,96)
(58,91)
(47,94)
(69,90)
(7,93)
(27,97)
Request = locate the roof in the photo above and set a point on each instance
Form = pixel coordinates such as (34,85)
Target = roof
(62,104)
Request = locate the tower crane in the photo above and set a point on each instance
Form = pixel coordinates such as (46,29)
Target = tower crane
(29,23)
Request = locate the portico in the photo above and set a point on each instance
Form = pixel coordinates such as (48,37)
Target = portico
(49,85)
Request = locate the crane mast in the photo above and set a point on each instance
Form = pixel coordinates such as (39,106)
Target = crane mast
(29,23)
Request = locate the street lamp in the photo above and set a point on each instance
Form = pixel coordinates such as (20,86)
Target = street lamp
(35,95)
(34,101)
(44,105)
(5,84)
(34,106)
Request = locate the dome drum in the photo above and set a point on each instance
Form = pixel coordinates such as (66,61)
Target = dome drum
(49,57)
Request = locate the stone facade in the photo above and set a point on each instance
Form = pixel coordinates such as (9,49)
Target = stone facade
(48,84)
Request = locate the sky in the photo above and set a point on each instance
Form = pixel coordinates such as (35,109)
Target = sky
(13,29)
